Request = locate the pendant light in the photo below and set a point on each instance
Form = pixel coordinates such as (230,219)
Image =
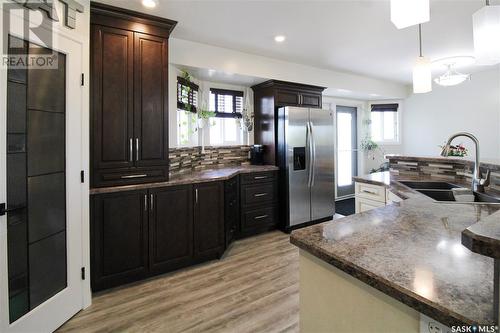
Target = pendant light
(486,30)
(406,13)
(422,75)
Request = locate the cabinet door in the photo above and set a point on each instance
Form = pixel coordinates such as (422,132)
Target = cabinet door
(209,220)
(150,102)
(170,228)
(287,98)
(231,209)
(310,100)
(119,238)
(112,100)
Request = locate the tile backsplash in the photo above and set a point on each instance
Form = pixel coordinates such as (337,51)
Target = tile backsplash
(192,158)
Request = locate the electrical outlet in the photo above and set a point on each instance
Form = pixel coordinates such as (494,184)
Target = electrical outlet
(434,328)
(429,325)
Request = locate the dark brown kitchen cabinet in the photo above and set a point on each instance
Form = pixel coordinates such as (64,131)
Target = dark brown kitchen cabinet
(129,96)
(209,220)
(269,96)
(170,228)
(119,238)
(231,208)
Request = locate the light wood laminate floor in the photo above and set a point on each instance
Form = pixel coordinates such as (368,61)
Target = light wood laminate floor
(254,288)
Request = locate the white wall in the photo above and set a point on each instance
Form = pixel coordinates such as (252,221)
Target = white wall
(200,55)
(473,106)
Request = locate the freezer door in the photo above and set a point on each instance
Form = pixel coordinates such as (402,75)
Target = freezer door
(298,164)
(323,156)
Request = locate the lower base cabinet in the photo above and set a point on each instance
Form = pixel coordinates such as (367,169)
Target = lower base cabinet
(137,234)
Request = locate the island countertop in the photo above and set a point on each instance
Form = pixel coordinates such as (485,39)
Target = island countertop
(412,251)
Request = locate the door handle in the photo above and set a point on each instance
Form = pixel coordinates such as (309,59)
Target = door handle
(151,202)
(309,143)
(4,210)
(136,149)
(313,149)
(145,202)
(196,196)
(131,150)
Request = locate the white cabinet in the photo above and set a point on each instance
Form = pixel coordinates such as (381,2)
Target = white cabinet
(369,196)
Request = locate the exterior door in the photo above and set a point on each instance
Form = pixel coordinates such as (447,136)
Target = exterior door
(323,167)
(347,151)
(41,146)
(298,153)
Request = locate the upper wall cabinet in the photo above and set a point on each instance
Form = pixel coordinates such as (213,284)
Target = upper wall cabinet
(129,101)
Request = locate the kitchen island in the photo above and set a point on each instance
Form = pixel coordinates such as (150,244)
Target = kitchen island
(379,270)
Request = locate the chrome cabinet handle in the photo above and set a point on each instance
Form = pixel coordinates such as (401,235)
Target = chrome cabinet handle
(136,149)
(196,195)
(260,194)
(260,217)
(369,192)
(259,177)
(134,176)
(145,202)
(131,151)
(151,201)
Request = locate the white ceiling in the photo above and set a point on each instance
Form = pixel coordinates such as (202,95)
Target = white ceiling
(347,35)
(213,75)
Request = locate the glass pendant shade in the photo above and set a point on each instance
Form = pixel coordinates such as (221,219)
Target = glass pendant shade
(406,13)
(486,29)
(422,76)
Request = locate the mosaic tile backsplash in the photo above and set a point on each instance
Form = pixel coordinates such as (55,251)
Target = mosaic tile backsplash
(192,158)
(442,167)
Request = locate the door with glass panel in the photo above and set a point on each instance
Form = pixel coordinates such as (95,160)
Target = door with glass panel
(41,216)
(347,152)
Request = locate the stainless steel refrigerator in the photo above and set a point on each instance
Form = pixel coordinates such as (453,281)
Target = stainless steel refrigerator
(306,157)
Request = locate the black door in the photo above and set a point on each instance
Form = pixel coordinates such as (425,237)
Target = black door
(209,220)
(112,88)
(170,228)
(347,150)
(120,238)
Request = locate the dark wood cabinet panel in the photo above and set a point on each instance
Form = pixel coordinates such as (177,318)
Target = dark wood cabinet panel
(287,97)
(310,100)
(231,209)
(112,89)
(119,238)
(258,194)
(151,103)
(208,220)
(170,228)
(258,219)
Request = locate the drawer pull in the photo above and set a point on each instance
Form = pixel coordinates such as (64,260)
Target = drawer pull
(259,177)
(260,217)
(260,195)
(133,176)
(369,192)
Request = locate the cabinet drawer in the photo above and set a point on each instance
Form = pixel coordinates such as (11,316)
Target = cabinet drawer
(258,193)
(129,176)
(259,217)
(311,100)
(287,98)
(392,198)
(363,204)
(258,177)
(369,191)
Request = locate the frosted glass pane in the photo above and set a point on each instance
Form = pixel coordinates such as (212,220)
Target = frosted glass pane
(376,126)
(230,129)
(344,128)
(389,126)
(344,168)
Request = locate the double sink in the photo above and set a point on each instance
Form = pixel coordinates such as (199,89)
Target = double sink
(442,191)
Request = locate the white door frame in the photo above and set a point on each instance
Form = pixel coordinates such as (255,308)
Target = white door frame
(51,314)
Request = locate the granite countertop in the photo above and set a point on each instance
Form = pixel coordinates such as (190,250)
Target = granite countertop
(193,177)
(412,251)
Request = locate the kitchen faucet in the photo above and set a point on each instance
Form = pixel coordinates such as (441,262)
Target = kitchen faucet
(478,183)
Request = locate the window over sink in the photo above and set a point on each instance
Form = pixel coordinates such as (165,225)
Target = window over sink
(225,128)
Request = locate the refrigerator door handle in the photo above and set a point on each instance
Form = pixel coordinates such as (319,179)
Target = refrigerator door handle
(313,151)
(309,146)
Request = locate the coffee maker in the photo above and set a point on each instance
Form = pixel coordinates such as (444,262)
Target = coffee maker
(257,154)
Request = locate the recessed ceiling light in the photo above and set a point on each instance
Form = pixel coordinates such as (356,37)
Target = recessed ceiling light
(279,38)
(149,3)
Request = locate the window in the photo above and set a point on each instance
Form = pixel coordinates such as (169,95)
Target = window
(187,95)
(225,127)
(385,123)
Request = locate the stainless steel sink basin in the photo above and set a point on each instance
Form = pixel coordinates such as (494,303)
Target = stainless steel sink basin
(429,185)
(447,195)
